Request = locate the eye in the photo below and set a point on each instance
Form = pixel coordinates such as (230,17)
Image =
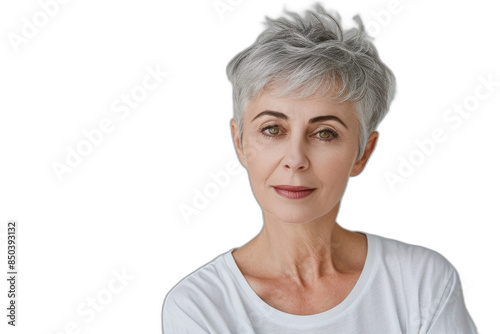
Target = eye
(271,131)
(326,134)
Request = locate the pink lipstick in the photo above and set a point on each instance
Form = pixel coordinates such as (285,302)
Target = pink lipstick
(293,192)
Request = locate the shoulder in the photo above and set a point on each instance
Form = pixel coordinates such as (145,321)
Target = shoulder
(187,302)
(424,283)
(203,285)
(413,262)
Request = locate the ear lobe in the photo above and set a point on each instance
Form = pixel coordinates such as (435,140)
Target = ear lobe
(237,143)
(369,148)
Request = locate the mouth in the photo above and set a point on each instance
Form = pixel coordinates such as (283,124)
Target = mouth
(293,192)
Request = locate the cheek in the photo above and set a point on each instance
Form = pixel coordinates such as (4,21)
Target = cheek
(333,169)
(261,164)
(260,152)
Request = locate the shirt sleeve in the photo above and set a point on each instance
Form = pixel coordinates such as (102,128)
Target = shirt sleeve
(451,315)
(177,321)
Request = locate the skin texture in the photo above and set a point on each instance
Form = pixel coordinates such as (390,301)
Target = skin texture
(302,261)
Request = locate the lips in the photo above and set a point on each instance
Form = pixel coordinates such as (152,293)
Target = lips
(293,192)
(292,188)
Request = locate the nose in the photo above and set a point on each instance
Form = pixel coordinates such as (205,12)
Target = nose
(295,158)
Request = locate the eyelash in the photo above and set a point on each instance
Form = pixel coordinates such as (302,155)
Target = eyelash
(333,134)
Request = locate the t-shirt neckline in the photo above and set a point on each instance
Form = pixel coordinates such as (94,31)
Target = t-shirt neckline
(279,316)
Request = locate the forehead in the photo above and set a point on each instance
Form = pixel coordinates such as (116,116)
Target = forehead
(300,107)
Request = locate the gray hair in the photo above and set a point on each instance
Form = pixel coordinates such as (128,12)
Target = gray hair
(306,57)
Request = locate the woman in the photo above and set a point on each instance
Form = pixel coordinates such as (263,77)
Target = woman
(308,98)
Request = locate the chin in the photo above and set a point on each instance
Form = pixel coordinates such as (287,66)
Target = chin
(295,215)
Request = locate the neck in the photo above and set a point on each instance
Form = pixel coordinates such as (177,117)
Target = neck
(305,253)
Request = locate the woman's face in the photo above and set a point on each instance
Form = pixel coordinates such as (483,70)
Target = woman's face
(310,143)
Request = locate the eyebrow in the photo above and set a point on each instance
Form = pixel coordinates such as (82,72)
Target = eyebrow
(311,121)
(271,113)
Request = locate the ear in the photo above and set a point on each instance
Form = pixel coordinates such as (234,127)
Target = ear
(369,148)
(237,143)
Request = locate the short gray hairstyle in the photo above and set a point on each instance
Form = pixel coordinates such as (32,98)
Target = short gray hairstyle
(305,57)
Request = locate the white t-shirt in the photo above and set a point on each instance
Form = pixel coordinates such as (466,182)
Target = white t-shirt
(402,289)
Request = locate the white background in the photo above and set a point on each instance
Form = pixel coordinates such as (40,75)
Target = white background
(118,210)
